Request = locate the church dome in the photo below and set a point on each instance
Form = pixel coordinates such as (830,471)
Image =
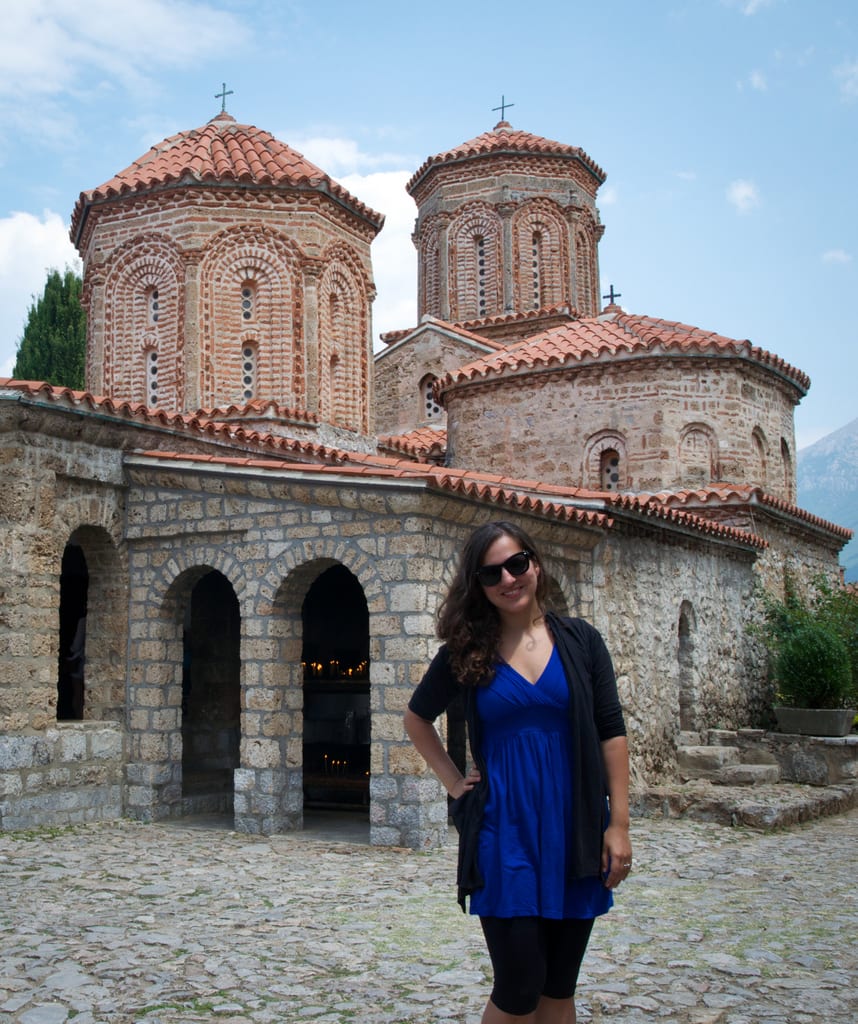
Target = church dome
(504,140)
(221,152)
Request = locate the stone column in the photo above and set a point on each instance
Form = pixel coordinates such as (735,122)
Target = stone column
(191,398)
(95,326)
(506,210)
(444,267)
(311,270)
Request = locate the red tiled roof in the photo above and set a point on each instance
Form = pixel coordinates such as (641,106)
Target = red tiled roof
(505,139)
(575,505)
(422,443)
(615,335)
(220,152)
(200,424)
(391,337)
(719,495)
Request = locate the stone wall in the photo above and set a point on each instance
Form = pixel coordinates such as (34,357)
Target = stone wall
(676,423)
(674,618)
(65,774)
(399,371)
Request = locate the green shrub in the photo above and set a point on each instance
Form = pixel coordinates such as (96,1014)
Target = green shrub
(812,668)
(812,643)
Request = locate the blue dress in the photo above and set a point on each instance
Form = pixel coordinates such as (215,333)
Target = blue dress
(528,824)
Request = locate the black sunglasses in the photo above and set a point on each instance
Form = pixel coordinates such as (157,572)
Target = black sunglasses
(515,565)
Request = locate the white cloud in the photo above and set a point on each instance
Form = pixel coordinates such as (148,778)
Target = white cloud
(46,44)
(847,75)
(53,56)
(743,195)
(29,247)
(394,258)
(836,256)
(608,196)
(758,81)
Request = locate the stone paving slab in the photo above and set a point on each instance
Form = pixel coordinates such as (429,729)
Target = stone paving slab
(130,923)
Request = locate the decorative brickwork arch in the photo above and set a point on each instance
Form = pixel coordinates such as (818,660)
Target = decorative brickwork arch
(475,263)
(144,324)
(759,465)
(540,255)
(268,264)
(343,349)
(429,296)
(605,464)
(586,297)
(697,455)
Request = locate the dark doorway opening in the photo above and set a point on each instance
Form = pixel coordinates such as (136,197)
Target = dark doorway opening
(335,660)
(211,696)
(74,587)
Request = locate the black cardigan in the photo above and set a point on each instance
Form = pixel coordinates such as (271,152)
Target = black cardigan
(595,715)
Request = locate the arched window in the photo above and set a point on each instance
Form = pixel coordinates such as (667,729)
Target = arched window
(430,410)
(153,305)
(248,371)
(152,378)
(248,301)
(480,244)
(536,252)
(609,469)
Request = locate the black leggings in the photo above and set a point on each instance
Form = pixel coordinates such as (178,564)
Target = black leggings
(534,957)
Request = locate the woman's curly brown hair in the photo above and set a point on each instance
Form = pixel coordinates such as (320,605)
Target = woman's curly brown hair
(467,621)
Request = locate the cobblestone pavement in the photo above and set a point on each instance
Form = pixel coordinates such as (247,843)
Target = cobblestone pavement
(158,924)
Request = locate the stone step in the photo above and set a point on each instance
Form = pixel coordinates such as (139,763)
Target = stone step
(747,775)
(700,761)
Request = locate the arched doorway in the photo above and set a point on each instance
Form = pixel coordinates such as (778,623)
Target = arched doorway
(74,591)
(335,658)
(211,696)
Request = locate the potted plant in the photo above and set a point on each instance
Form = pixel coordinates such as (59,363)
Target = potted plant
(813,679)
(813,646)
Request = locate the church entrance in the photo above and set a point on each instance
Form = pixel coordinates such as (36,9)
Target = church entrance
(211,702)
(335,661)
(74,590)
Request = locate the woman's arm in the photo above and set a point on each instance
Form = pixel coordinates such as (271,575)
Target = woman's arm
(427,742)
(616,844)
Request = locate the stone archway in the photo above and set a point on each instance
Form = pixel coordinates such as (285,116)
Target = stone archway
(74,589)
(211,696)
(336,719)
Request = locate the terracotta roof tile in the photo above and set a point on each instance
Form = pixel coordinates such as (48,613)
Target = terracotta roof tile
(583,507)
(220,152)
(505,139)
(612,335)
(460,330)
(719,495)
(422,443)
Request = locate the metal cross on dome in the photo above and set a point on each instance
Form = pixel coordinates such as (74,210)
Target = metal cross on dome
(502,107)
(222,95)
(613,295)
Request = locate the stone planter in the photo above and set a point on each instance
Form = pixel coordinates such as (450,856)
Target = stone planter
(815,721)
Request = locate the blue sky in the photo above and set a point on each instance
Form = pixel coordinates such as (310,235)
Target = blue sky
(727,129)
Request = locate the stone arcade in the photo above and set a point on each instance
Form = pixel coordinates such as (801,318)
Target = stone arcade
(221,562)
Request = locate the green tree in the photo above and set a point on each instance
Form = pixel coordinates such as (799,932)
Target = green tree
(53,345)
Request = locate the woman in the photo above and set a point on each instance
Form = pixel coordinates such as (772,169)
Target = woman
(538,857)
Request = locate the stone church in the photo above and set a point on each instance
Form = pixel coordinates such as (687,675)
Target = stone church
(222,561)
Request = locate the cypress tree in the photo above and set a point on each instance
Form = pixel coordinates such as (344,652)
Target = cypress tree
(53,345)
